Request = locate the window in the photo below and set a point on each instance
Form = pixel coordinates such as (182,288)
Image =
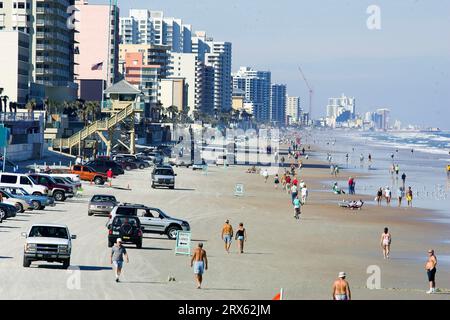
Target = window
(42,180)
(25,181)
(76,168)
(126,211)
(8,179)
(21,5)
(1,5)
(15,5)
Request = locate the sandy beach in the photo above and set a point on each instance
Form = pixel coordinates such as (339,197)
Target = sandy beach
(302,257)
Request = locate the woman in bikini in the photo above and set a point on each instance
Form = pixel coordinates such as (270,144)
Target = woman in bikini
(385,242)
(241,236)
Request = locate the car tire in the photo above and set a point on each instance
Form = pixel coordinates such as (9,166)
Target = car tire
(90,214)
(98,181)
(26,262)
(36,205)
(153,186)
(141,166)
(110,243)
(172,232)
(139,244)
(37,194)
(41,207)
(66,264)
(59,196)
(172,187)
(19,207)
(128,168)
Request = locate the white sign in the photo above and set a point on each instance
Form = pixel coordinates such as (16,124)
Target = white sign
(239,189)
(183,243)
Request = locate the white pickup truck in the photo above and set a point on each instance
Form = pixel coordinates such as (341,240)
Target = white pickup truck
(48,242)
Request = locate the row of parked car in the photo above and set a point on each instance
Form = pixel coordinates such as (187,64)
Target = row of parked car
(34,191)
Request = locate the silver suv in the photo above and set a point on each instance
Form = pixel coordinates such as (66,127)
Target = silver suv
(48,242)
(163,176)
(153,220)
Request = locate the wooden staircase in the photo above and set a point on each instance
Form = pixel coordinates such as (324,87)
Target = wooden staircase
(97,126)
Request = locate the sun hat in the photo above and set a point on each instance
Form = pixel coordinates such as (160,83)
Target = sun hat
(342,274)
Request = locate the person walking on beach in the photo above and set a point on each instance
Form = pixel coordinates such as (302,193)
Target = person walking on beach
(409,197)
(241,236)
(109,174)
(385,242)
(118,251)
(404,179)
(276,181)
(341,288)
(288,183)
(265,175)
(297,206)
(388,195)
(294,191)
(304,193)
(336,170)
(430,267)
(200,263)
(379,196)
(350,185)
(400,195)
(397,169)
(227,235)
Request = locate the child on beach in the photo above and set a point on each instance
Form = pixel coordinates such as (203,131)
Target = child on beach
(388,195)
(304,193)
(297,206)
(409,197)
(400,195)
(276,181)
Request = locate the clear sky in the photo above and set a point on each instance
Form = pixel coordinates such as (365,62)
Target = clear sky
(404,66)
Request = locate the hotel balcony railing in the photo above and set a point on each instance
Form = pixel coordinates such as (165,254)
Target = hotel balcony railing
(20,116)
(107,106)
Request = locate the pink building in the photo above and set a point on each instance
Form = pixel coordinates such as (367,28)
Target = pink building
(96,48)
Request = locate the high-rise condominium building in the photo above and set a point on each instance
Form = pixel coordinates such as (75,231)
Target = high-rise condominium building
(219,58)
(14,66)
(256,85)
(278,104)
(97,48)
(51,42)
(152,55)
(151,27)
(293,110)
(189,67)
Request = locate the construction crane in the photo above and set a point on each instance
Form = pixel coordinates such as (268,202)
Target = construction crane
(311,91)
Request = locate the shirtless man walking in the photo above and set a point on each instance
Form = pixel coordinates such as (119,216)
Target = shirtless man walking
(227,235)
(341,288)
(200,263)
(430,266)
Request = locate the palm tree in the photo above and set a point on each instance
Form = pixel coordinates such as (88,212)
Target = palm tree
(30,105)
(92,109)
(5,101)
(173,113)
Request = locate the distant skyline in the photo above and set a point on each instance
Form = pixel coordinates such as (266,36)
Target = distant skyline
(405,66)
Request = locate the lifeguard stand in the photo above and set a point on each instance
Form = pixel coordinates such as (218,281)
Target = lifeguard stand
(122,102)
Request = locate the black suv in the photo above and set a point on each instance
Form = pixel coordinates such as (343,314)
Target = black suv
(127,228)
(103,165)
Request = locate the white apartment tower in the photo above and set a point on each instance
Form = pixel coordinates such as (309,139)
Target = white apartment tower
(189,67)
(293,110)
(143,26)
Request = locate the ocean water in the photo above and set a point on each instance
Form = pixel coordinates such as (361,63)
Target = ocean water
(425,167)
